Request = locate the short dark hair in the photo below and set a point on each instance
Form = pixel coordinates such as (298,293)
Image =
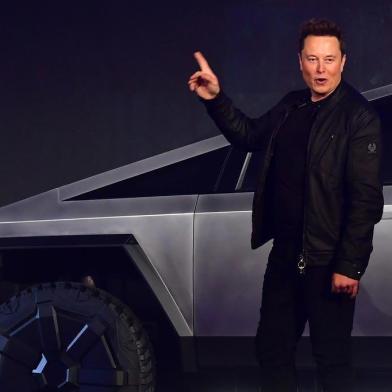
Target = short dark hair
(321,27)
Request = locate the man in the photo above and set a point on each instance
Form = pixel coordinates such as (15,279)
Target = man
(319,195)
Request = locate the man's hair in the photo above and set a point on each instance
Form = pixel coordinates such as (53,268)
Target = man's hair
(321,27)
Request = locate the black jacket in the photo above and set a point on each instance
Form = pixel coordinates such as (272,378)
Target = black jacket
(343,186)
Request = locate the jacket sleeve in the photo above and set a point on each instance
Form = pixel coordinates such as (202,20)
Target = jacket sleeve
(364,197)
(248,134)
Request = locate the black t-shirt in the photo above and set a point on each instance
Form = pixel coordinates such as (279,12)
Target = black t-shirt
(288,172)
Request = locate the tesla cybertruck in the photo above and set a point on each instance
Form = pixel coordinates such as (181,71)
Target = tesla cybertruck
(166,238)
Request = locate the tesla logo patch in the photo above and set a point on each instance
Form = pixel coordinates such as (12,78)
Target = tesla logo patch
(372,148)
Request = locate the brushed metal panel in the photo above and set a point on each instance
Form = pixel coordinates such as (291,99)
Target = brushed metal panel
(387,192)
(228,274)
(378,92)
(374,303)
(164,232)
(161,291)
(225,202)
(47,206)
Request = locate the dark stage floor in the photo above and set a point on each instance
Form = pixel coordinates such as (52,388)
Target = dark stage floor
(225,368)
(247,380)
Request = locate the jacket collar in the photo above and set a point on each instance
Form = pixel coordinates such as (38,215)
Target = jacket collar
(304,96)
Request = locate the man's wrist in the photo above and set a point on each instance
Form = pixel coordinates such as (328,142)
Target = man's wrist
(349,269)
(214,102)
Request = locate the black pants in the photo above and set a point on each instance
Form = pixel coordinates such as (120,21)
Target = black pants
(290,300)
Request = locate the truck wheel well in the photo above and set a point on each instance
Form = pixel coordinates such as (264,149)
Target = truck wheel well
(113,271)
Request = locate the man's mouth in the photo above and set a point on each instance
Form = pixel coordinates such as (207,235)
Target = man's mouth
(321,81)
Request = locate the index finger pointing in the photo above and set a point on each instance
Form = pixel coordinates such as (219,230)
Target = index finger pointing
(203,64)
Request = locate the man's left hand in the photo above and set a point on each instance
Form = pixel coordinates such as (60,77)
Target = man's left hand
(344,284)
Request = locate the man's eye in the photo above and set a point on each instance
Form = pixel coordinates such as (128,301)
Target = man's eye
(329,61)
(312,60)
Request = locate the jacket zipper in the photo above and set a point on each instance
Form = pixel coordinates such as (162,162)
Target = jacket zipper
(302,262)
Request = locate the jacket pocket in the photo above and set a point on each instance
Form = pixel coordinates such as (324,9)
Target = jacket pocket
(324,149)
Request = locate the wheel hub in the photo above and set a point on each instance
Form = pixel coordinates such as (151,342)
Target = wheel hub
(56,374)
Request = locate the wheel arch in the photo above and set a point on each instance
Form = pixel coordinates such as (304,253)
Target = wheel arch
(31,260)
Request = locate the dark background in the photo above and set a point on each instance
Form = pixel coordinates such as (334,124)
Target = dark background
(88,86)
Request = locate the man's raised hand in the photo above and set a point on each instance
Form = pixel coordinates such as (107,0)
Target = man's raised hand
(204,82)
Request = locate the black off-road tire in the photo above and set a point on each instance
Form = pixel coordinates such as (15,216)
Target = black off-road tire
(66,337)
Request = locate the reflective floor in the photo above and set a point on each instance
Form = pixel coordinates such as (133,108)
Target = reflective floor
(247,380)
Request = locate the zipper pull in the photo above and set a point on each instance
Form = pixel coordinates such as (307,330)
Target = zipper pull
(301,264)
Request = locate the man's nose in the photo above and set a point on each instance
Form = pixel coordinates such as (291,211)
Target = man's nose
(320,67)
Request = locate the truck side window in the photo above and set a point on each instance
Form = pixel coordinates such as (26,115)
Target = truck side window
(195,175)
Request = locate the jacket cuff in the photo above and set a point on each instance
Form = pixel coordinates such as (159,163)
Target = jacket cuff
(216,102)
(349,269)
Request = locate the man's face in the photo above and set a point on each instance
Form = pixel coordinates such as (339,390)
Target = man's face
(321,63)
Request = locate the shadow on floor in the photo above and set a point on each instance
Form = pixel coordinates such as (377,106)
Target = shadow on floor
(247,380)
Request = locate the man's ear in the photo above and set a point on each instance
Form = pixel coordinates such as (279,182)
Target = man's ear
(343,63)
(300,61)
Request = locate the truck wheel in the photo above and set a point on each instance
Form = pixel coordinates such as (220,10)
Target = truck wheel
(66,337)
